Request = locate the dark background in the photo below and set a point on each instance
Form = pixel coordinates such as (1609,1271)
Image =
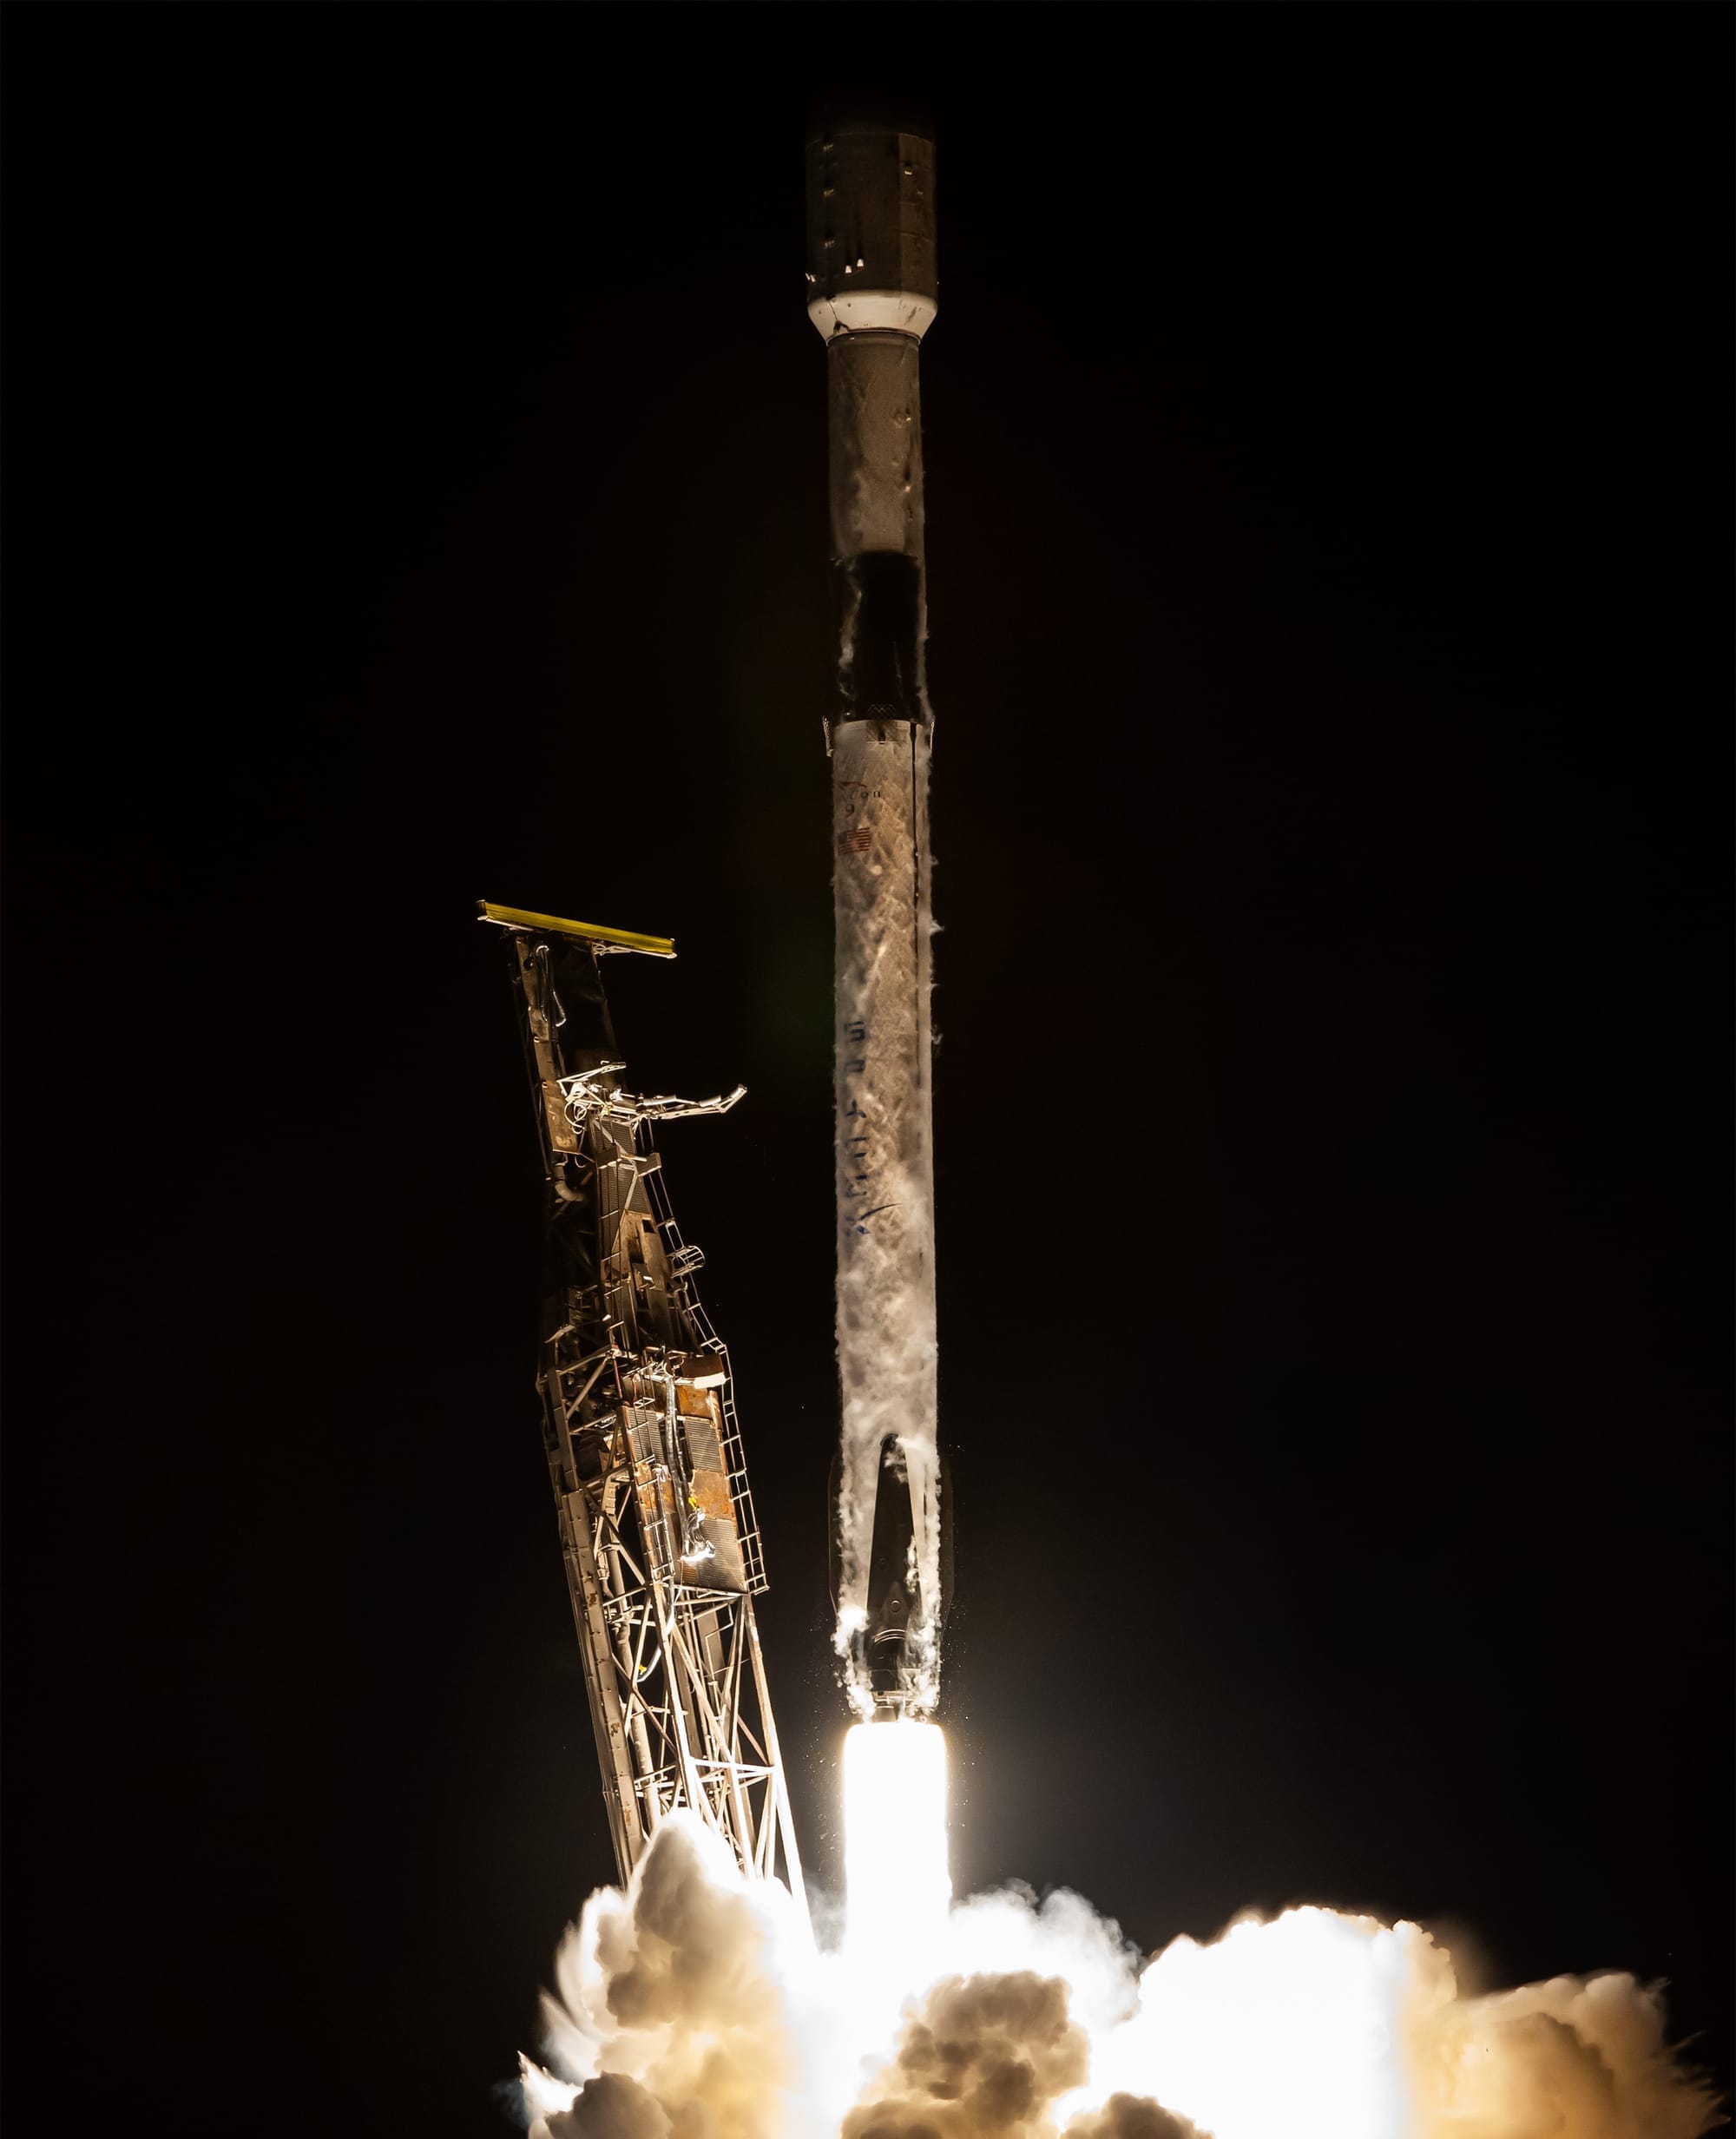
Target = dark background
(416,493)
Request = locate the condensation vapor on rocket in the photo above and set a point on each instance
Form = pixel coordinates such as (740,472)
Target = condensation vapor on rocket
(871,291)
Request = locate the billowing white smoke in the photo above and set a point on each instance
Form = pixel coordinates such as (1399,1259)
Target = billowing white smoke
(673,2008)
(694,2008)
(886,1345)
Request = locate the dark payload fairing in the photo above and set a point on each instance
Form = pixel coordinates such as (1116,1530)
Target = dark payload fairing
(872,294)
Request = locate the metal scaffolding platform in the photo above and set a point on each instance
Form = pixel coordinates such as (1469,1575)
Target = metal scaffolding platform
(662,1552)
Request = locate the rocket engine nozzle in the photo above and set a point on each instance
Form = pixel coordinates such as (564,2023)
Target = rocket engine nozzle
(896,1627)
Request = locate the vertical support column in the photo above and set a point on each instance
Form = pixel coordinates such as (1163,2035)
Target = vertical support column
(584,1580)
(780,1795)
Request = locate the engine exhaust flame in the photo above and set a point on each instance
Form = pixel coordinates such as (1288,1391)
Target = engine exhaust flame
(695,2006)
(897,1887)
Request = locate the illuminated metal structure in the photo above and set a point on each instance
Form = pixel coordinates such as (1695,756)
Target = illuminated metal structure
(662,1554)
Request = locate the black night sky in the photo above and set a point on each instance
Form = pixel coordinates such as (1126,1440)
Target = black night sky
(416,492)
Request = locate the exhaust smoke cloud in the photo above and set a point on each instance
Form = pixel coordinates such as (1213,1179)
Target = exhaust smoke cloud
(696,2006)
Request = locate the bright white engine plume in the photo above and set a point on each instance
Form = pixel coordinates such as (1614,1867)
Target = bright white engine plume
(897,1885)
(695,2006)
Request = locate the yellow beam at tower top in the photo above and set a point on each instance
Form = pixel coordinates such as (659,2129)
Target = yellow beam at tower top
(586,931)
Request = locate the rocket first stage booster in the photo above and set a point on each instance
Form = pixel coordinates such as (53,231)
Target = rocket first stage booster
(871,288)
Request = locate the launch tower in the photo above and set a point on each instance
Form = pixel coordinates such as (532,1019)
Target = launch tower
(662,1554)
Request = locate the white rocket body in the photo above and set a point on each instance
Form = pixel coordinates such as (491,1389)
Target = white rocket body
(873,295)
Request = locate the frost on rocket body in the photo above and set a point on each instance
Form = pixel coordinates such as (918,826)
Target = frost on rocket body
(693,2008)
(886,1333)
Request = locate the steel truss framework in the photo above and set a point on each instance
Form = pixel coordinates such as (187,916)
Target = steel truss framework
(662,1552)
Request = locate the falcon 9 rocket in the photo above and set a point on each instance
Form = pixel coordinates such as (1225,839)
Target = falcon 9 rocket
(872,289)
